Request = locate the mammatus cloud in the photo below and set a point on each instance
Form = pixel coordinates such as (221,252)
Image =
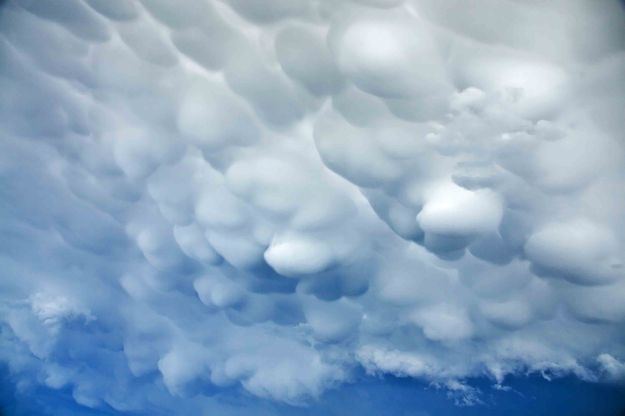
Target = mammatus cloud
(269,195)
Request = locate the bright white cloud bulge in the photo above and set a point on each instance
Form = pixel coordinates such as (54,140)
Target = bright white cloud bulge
(270,194)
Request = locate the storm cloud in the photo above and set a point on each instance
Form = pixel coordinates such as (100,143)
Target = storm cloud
(272,195)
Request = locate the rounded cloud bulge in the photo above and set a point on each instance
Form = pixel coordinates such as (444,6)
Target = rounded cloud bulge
(269,198)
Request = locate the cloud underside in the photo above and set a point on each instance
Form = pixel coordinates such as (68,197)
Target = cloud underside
(273,194)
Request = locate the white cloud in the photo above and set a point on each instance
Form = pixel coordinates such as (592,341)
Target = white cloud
(268,194)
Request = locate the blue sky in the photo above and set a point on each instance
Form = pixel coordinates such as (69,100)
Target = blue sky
(389,396)
(302,207)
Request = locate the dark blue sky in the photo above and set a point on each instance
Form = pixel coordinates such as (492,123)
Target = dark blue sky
(391,396)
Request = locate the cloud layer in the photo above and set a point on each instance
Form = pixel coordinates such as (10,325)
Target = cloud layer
(199,196)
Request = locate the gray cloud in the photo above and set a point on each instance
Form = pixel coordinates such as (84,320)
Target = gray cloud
(269,194)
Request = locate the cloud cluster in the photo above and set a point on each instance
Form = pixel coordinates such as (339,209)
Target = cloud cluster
(199,195)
